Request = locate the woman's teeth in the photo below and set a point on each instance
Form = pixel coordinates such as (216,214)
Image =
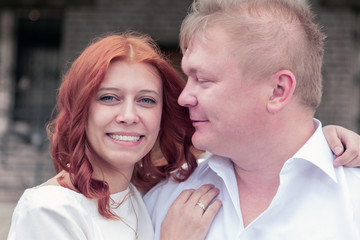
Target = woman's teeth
(124,138)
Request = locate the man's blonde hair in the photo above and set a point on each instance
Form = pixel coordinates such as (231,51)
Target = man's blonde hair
(270,35)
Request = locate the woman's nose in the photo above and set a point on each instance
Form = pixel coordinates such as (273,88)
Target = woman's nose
(127,114)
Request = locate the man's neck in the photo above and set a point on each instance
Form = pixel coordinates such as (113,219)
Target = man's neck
(257,172)
(256,190)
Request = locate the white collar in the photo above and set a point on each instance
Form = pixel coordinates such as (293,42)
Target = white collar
(317,151)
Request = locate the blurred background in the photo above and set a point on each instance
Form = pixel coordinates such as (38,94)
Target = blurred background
(39,39)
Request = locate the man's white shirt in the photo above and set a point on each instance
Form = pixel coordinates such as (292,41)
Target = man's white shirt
(314,201)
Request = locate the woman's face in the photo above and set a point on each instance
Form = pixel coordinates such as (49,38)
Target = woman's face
(124,116)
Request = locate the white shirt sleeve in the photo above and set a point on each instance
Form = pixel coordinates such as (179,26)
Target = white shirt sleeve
(46,218)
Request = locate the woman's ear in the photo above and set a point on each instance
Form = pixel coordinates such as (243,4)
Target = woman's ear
(283,87)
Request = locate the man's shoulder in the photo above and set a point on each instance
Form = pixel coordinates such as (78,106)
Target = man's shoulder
(157,189)
(166,188)
(352,177)
(160,197)
(352,181)
(349,181)
(171,183)
(353,170)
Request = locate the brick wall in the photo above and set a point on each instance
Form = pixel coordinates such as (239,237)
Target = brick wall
(340,103)
(161,19)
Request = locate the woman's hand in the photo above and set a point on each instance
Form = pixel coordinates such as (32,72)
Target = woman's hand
(345,144)
(191,214)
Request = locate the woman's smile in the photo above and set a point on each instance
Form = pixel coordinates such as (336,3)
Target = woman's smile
(125,115)
(124,138)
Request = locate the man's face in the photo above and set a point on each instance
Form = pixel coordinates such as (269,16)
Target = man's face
(226,110)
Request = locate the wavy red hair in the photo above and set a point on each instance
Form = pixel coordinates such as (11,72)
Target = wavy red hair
(67,132)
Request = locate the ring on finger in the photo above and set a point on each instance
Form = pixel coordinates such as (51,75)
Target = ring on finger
(201,206)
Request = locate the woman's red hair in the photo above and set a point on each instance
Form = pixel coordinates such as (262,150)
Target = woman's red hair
(67,132)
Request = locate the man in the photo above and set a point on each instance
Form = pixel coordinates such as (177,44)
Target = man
(254,83)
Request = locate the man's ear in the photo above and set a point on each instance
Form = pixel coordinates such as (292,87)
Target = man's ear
(283,87)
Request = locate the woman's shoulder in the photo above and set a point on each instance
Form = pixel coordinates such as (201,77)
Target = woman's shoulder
(46,209)
(50,196)
(54,197)
(53,203)
(51,193)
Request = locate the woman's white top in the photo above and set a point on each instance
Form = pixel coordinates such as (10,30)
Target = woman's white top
(54,212)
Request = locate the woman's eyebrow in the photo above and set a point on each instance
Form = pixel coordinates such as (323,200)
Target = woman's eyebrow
(149,91)
(119,90)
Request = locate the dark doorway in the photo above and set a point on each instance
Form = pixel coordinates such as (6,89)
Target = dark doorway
(37,76)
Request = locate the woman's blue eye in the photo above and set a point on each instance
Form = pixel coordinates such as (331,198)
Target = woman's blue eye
(107,98)
(147,100)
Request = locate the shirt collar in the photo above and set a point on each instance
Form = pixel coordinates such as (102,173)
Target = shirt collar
(216,163)
(317,151)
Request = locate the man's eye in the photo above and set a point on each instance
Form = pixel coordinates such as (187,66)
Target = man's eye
(203,80)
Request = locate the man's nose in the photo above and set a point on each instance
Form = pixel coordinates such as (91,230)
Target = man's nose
(188,97)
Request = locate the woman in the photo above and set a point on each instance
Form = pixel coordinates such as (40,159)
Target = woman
(116,102)
(117,106)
